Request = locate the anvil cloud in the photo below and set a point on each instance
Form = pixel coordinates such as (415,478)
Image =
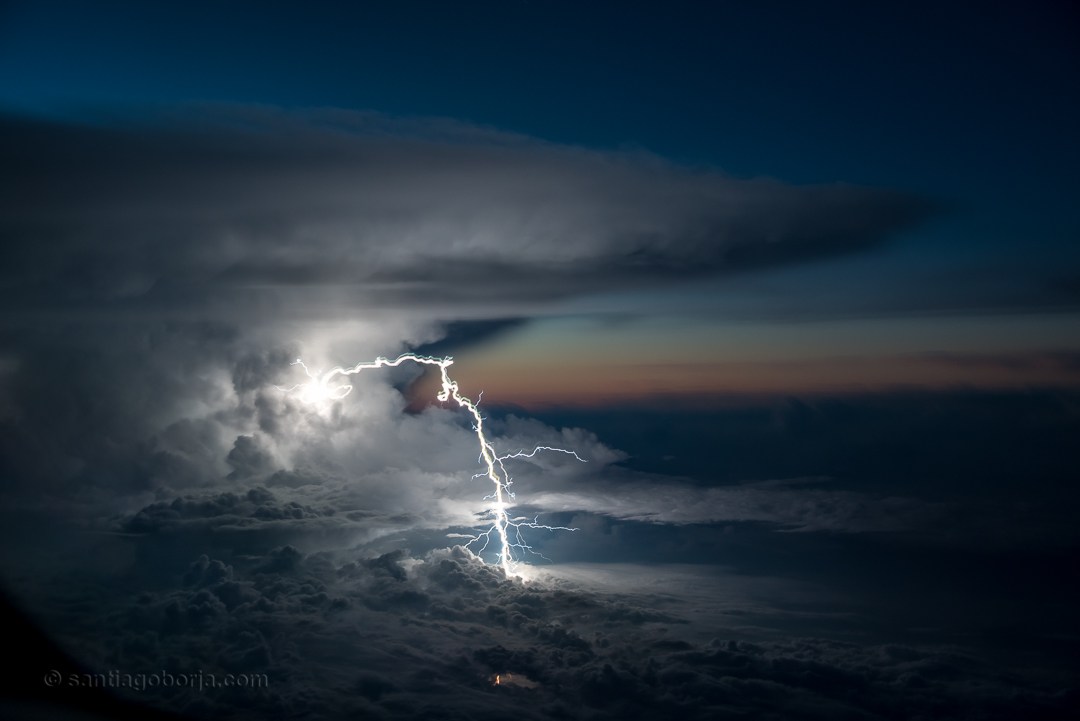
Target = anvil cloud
(230,209)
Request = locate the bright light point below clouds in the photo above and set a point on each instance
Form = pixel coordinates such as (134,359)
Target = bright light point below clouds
(501,528)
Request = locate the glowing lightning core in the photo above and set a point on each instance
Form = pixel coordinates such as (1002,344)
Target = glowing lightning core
(321,388)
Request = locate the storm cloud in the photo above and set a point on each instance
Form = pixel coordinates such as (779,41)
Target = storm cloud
(161,271)
(229,209)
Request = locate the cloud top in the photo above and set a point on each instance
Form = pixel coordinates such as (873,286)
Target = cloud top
(226,206)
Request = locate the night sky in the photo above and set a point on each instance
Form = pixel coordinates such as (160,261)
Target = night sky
(800,282)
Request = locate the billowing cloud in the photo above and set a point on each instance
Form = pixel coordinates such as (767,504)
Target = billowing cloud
(162,272)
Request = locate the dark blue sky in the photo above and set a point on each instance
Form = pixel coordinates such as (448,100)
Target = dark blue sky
(957,98)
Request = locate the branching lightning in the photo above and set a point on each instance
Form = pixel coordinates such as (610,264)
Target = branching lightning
(504,530)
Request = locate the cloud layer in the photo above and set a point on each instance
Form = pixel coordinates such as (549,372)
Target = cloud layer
(394,637)
(222,208)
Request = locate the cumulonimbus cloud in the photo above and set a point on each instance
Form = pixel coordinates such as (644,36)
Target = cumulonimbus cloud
(170,254)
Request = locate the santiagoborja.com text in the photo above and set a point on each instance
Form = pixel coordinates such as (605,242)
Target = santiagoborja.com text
(115,679)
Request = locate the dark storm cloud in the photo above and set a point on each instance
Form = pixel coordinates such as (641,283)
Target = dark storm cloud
(227,208)
(257,506)
(460,334)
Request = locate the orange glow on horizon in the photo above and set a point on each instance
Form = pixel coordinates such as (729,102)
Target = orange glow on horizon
(530,384)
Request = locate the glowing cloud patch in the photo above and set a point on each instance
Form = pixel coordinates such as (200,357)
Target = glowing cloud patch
(513,680)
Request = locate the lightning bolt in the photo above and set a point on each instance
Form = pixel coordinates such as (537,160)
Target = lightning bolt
(505,531)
